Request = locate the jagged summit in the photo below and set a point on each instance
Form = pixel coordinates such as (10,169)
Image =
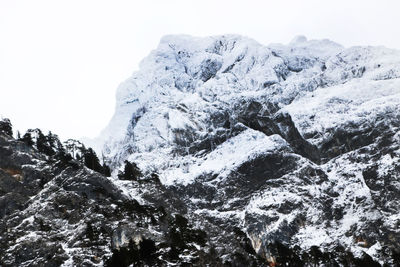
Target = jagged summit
(200,72)
(225,152)
(298,39)
(221,65)
(243,124)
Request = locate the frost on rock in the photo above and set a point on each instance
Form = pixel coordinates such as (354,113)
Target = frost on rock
(293,143)
(223,159)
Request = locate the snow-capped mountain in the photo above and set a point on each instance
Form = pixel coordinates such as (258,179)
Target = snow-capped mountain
(238,154)
(294,143)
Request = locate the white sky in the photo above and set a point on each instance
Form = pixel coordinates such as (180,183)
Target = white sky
(61,61)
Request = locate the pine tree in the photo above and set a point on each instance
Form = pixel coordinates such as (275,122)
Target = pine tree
(54,141)
(27,139)
(92,161)
(6,127)
(42,144)
(106,170)
(131,172)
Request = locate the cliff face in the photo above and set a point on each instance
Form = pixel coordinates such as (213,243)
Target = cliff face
(57,212)
(279,154)
(294,143)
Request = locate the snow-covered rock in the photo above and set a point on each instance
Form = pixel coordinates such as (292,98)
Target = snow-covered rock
(282,154)
(275,139)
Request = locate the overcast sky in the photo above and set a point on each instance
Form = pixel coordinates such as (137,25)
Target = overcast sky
(61,61)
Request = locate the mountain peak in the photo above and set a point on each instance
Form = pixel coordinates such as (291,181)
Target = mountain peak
(196,101)
(298,39)
(286,154)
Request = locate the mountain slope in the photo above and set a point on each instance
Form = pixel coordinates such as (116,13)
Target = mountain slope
(57,212)
(296,143)
(223,152)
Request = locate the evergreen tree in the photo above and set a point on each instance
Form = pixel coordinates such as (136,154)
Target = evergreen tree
(131,172)
(106,170)
(65,158)
(27,139)
(42,144)
(91,160)
(6,127)
(54,141)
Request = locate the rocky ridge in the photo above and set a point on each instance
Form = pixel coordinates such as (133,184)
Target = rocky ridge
(283,155)
(294,143)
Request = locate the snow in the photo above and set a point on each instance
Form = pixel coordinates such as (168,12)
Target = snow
(173,72)
(32,236)
(127,189)
(220,214)
(28,220)
(298,40)
(373,252)
(321,84)
(176,120)
(313,236)
(225,158)
(354,102)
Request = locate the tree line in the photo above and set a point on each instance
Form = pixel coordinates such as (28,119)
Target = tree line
(71,150)
(51,146)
